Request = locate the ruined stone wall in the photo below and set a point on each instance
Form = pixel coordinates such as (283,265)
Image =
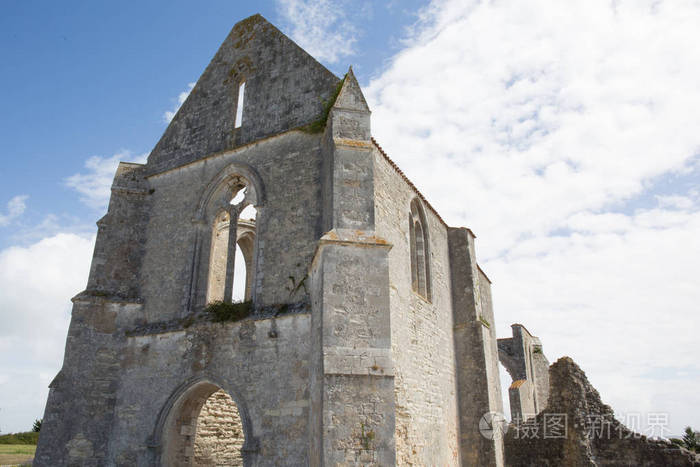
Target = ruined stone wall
(523,357)
(287,229)
(586,432)
(421,331)
(219,437)
(540,366)
(127,354)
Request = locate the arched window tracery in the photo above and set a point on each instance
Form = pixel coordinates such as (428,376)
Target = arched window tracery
(232,243)
(419,250)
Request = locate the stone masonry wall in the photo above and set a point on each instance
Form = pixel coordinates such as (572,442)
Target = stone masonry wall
(587,432)
(262,364)
(286,232)
(421,331)
(219,437)
(115,268)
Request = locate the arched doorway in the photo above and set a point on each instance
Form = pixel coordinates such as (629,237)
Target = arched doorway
(204,427)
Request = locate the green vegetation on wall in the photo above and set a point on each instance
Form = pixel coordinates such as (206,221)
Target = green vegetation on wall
(319,125)
(223,311)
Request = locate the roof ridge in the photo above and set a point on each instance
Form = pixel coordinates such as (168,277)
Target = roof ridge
(420,195)
(407,180)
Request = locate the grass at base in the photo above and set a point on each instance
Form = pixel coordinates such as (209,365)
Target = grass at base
(16,454)
(17,449)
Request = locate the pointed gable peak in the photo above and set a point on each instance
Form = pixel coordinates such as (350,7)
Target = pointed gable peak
(350,96)
(285,88)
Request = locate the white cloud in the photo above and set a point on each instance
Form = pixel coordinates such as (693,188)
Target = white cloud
(572,103)
(15,208)
(37,283)
(95,185)
(621,301)
(168,115)
(539,124)
(321,27)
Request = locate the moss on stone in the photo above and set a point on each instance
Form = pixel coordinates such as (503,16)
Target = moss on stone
(319,124)
(226,312)
(484,321)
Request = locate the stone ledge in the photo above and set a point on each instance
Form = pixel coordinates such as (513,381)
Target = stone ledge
(196,320)
(354,237)
(100,296)
(352,143)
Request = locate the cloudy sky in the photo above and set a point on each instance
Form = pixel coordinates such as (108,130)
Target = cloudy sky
(564,134)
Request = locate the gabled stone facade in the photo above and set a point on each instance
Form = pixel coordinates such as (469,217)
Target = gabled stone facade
(367,335)
(370,337)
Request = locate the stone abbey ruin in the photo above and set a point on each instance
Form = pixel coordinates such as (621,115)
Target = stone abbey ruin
(366,335)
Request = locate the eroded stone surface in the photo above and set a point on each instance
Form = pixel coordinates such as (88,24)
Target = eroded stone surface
(592,435)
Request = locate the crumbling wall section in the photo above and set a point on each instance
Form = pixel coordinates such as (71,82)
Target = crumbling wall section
(576,428)
(523,357)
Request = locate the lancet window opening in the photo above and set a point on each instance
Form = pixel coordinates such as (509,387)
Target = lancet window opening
(232,258)
(239,105)
(419,250)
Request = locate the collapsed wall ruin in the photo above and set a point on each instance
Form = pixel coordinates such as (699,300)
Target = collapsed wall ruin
(576,428)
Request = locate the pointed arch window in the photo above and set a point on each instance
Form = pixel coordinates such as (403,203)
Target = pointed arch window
(419,250)
(231,257)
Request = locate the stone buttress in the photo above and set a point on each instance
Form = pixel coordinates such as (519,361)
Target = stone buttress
(476,353)
(352,385)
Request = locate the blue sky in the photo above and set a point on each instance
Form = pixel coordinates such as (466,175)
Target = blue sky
(563,133)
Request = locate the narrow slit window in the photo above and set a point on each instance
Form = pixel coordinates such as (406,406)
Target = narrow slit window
(239,105)
(419,250)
